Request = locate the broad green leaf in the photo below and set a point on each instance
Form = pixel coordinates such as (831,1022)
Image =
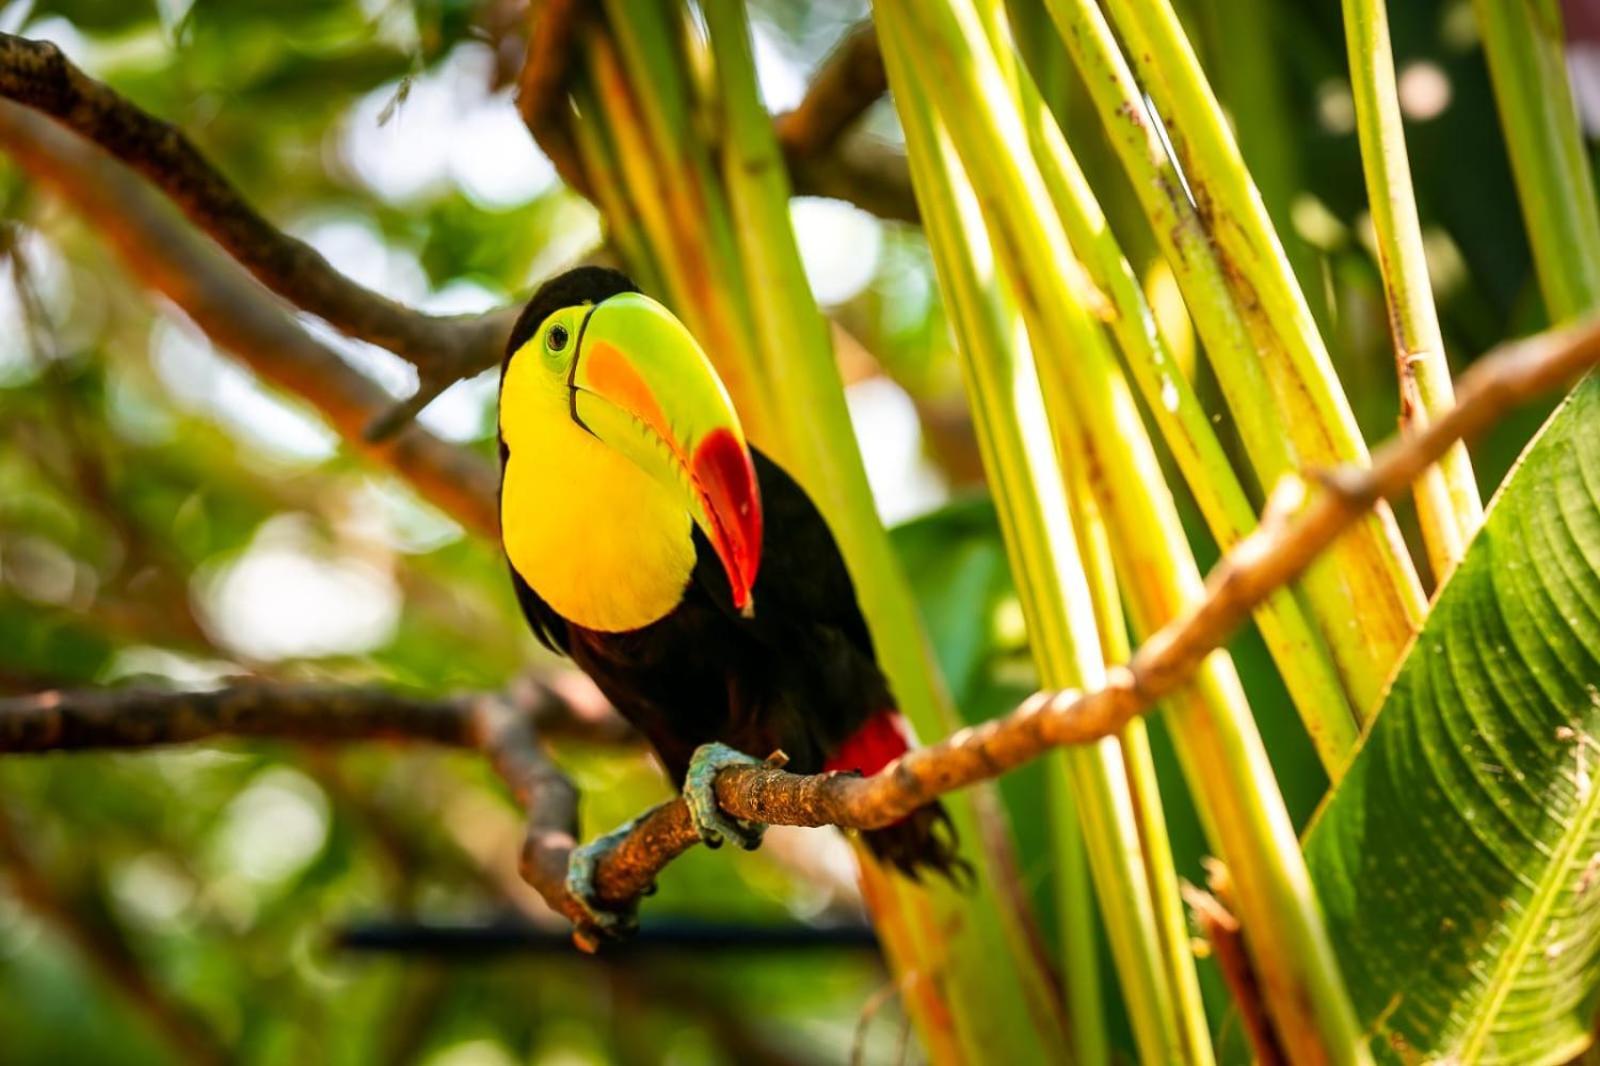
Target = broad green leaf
(1459,860)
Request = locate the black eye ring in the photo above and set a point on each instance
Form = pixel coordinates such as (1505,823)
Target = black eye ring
(557,339)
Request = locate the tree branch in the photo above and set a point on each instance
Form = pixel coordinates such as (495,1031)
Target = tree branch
(850,80)
(1211,911)
(37,75)
(541,86)
(112,719)
(504,727)
(1292,533)
(823,161)
(239,314)
(1298,525)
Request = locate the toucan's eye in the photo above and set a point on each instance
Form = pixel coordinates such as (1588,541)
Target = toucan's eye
(557,338)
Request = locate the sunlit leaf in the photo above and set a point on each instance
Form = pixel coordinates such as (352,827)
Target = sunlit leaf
(1459,860)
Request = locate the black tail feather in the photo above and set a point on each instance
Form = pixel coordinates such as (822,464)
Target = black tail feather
(924,840)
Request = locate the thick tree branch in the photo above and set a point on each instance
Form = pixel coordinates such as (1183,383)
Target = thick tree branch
(36,75)
(1299,524)
(240,315)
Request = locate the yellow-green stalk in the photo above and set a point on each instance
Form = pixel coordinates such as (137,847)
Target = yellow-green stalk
(1279,407)
(1188,1033)
(1214,732)
(1002,998)
(1525,45)
(598,158)
(1296,645)
(701,285)
(1026,480)
(1094,546)
(1448,504)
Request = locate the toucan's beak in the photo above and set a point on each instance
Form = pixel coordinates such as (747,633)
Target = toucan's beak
(642,385)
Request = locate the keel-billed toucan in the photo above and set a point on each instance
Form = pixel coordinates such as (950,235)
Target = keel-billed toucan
(686,573)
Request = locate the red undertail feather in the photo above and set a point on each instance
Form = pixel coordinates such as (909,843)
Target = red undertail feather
(881,740)
(925,839)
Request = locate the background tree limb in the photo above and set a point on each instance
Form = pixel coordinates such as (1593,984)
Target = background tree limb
(850,80)
(98,720)
(238,314)
(37,75)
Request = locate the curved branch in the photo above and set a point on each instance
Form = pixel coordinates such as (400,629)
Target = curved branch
(504,727)
(37,75)
(1299,524)
(1292,533)
(240,315)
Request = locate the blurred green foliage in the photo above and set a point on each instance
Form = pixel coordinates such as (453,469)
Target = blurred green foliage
(156,501)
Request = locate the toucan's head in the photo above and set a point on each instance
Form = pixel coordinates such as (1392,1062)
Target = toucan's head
(628,373)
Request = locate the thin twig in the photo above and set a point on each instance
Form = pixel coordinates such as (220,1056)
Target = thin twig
(1225,937)
(399,415)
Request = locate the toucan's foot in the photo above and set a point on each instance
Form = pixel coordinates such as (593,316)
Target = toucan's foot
(700,793)
(599,923)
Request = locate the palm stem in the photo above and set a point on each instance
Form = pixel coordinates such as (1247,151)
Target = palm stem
(1524,42)
(1250,313)
(1212,725)
(1005,1007)
(1026,480)
(1448,503)
(1296,646)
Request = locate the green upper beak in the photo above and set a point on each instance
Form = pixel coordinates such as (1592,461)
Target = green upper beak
(641,384)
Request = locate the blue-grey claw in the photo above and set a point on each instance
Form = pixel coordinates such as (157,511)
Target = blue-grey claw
(699,792)
(600,923)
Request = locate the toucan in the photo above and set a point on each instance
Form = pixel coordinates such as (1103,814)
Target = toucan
(681,568)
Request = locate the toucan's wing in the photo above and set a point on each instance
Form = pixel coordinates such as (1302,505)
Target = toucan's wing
(802,577)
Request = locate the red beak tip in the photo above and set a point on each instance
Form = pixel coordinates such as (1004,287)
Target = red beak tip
(727,477)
